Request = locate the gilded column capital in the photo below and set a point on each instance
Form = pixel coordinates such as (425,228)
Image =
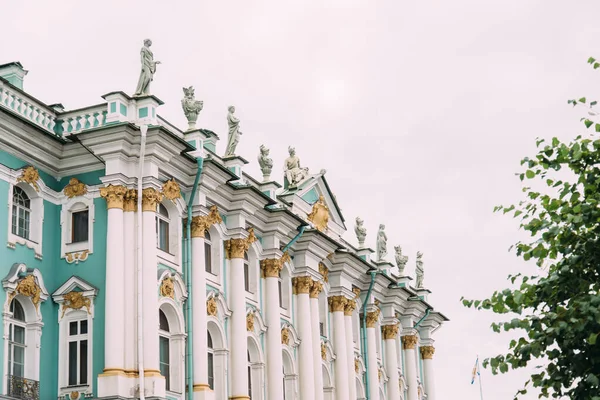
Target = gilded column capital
(350,307)
(302,284)
(201,223)
(150,199)
(409,342)
(113,196)
(427,352)
(271,267)
(130,200)
(324,271)
(372,318)
(170,190)
(389,331)
(337,303)
(315,289)
(235,248)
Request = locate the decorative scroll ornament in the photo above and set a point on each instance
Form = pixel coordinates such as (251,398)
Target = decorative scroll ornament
(235,248)
(131,199)
(30,175)
(75,301)
(379,373)
(356,365)
(250,322)
(75,188)
(113,196)
(319,215)
(76,257)
(337,303)
(28,287)
(271,267)
(302,284)
(285,335)
(356,292)
(171,190)
(323,351)
(200,224)
(211,307)
(150,199)
(315,289)
(427,352)
(324,271)
(409,342)
(167,288)
(74,395)
(372,318)
(389,331)
(349,307)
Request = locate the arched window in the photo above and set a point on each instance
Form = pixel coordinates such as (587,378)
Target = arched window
(246,272)
(16,340)
(207,253)
(249,376)
(21,213)
(162,228)
(164,348)
(211,361)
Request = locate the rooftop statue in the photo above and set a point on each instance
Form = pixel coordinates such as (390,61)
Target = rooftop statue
(293,172)
(148,70)
(419,271)
(191,107)
(234,132)
(265,162)
(361,232)
(401,260)
(381,247)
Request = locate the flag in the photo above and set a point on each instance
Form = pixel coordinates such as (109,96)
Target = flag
(475,371)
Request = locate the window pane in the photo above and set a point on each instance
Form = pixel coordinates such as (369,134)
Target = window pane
(163,235)
(79,226)
(164,360)
(211,378)
(280,295)
(163,322)
(83,327)
(72,363)
(19,335)
(73,328)
(14,219)
(246,277)
(207,257)
(83,362)
(17,309)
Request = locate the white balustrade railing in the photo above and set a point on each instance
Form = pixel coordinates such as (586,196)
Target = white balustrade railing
(79,120)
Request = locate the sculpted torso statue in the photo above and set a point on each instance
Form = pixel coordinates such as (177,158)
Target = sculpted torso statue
(420,271)
(293,172)
(381,243)
(361,232)
(401,260)
(234,132)
(191,107)
(148,70)
(265,162)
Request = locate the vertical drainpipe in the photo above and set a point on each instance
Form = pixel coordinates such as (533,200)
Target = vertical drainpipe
(188,283)
(363,329)
(140,258)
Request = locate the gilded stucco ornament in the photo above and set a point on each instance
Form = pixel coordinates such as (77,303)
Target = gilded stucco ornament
(171,190)
(361,232)
(191,107)
(201,223)
(271,267)
(427,352)
(147,71)
(250,322)
(150,199)
(265,163)
(356,292)
(324,271)
(130,200)
(419,270)
(323,351)
(337,303)
(401,259)
(76,257)
(379,374)
(75,301)
(211,307)
(167,288)
(302,284)
(350,307)
(30,175)
(372,318)
(28,287)
(294,174)
(235,248)
(319,215)
(234,132)
(75,188)
(285,335)
(356,365)
(381,245)
(409,342)
(390,331)
(74,395)
(113,195)
(315,289)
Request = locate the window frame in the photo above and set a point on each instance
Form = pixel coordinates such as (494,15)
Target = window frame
(166,220)
(71,206)
(16,213)
(13,322)
(78,338)
(210,360)
(208,253)
(36,219)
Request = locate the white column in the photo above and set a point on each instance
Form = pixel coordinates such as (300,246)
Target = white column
(270,270)
(315,290)
(130,281)
(427,356)
(336,306)
(390,333)
(348,310)
(372,318)
(410,364)
(302,285)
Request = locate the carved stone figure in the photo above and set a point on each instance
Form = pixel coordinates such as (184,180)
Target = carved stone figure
(419,271)
(401,260)
(148,70)
(250,322)
(361,232)
(381,246)
(294,173)
(319,214)
(191,107)
(171,190)
(265,162)
(234,132)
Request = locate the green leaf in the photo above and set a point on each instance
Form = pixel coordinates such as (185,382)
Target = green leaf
(582,100)
(591,60)
(588,123)
(597,127)
(592,338)
(530,174)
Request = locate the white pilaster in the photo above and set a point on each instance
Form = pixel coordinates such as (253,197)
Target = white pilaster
(390,333)
(316,338)
(372,362)
(348,310)
(130,283)
(409,343)
(302,287)
(336,306)
(274,355)
(427,356)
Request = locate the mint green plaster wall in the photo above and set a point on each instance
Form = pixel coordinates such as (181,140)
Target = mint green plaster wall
(143,112)
(123,109)
(113,107)
(311,196)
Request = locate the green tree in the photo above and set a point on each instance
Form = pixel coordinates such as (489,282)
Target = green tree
(556,313)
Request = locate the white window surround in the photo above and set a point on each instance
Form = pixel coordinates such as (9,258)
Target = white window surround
(36,219)
(70,206)
(33,320)
(172,258)
(217,251)
(177,336)
(67,315)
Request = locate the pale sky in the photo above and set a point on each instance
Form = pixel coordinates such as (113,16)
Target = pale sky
(419,111)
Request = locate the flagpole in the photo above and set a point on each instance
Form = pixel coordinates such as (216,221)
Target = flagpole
(479,373)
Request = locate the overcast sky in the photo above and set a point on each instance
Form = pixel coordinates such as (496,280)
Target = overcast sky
(419,110)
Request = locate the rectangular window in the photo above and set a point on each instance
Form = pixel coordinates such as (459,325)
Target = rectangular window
(163,235)
(78,353)
(20,222)
(164,360)
(207,258)
(16,354)
(79,226)
(322,329)
(211,373)
(280,294)
(246,277)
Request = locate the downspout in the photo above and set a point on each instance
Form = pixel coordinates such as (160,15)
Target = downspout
(302,229)
(424,316)
(140,260)
(188,283)
(363,329)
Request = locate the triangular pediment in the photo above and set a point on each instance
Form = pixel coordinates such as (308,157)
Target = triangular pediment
(75,284)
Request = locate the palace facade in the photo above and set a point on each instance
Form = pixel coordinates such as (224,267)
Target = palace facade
(140,264)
